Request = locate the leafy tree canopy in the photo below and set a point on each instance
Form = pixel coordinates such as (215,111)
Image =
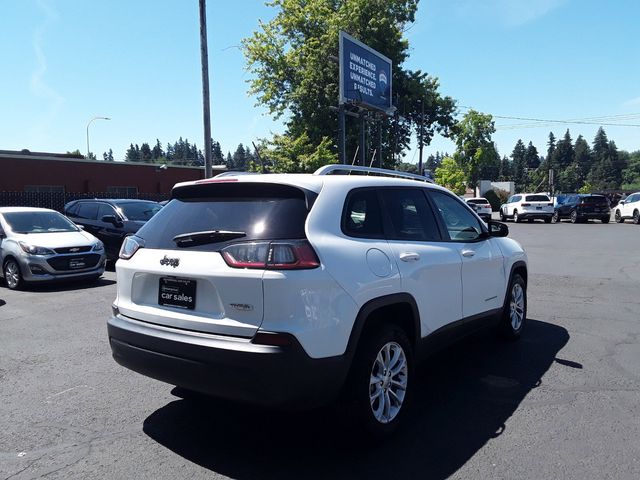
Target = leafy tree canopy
(292,73)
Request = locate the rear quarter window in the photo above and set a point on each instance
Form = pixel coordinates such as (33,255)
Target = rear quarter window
(361,215)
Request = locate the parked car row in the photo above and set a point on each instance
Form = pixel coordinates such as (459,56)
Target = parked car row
(41,245)
(574,207)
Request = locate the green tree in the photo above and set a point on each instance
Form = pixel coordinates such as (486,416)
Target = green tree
(582,158)
(451,175)
(145,153)
(132,154)
(217,158)
(157,152)
(519,162)
(531,157)
(631,174)
(284,154)
(108,157)
(475,151)
(289,59)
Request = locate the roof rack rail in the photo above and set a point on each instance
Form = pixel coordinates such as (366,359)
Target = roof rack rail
(381,172)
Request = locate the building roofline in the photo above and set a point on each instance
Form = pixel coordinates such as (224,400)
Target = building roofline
(62,157)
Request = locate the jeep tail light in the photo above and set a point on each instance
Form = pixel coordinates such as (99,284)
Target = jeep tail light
(526,204)
(130,246)
(273,255)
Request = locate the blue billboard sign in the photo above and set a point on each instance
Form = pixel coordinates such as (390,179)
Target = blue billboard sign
(365,75)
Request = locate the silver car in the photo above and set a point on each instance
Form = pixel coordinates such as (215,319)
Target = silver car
(39,245)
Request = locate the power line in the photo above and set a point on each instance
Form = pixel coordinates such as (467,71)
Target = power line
(542,122)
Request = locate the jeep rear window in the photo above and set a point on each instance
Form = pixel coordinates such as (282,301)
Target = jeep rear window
(261,211)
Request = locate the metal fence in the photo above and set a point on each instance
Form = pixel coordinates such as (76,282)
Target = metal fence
(57,200)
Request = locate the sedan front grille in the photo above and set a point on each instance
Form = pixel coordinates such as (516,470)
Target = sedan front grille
(74,262)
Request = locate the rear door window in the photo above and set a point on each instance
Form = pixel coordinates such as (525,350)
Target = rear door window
(410,215)
(88,210)
(257,211)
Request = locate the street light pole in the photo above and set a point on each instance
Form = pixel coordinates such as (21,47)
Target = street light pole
(90,122)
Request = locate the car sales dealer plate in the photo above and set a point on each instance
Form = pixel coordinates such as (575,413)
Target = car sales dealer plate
(177,292)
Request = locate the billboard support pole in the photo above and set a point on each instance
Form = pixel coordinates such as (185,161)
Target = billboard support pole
(363,140)
(380,142)
(342,154)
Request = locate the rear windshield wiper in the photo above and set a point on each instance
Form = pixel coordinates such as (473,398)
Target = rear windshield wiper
(202,238)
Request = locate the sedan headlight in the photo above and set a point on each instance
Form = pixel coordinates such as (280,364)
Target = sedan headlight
(35,250)
(98,247)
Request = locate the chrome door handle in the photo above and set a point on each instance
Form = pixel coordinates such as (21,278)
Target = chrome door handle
(468,253)
(409,256)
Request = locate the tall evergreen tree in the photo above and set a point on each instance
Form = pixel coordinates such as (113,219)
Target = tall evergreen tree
(157,151)
(531,157)
(518,162)
(582,158)
(145,153)
(564,154)
(133,154)
(217,158)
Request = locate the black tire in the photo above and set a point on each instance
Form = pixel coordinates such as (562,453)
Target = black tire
(604,219)
(555,218)
(636,217)
(547,220)
(516,217)
(618,217)
(509,327)
(12,274)
(361,388)
(574,216)
(503,217)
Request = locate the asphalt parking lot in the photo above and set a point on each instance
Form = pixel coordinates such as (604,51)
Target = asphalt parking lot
(564,402)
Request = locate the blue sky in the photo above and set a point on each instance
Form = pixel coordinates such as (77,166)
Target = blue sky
(138,62)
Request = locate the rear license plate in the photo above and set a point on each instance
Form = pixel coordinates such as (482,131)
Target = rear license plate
(538,208)
(177,292)
(75,263)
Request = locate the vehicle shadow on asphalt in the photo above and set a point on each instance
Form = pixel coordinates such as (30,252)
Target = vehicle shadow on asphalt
(69,286)
(463,399)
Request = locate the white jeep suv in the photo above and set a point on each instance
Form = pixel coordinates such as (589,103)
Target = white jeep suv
(289,290)
(527,206)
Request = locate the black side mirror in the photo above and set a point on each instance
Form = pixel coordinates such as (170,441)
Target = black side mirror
(111,219)
(497,229)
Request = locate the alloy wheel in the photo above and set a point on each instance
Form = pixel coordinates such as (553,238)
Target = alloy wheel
(388,382)
(12,274)
(516,307)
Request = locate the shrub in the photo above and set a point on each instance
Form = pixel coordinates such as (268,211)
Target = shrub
(494,200)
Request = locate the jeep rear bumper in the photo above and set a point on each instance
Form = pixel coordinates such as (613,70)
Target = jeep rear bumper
(227,367)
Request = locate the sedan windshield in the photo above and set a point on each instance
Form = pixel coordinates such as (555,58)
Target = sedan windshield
(139,211)
(39,222)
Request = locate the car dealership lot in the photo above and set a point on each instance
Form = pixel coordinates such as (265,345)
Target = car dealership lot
(564,402)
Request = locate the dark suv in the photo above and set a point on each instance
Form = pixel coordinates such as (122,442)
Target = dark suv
(111,220)
(582,207)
